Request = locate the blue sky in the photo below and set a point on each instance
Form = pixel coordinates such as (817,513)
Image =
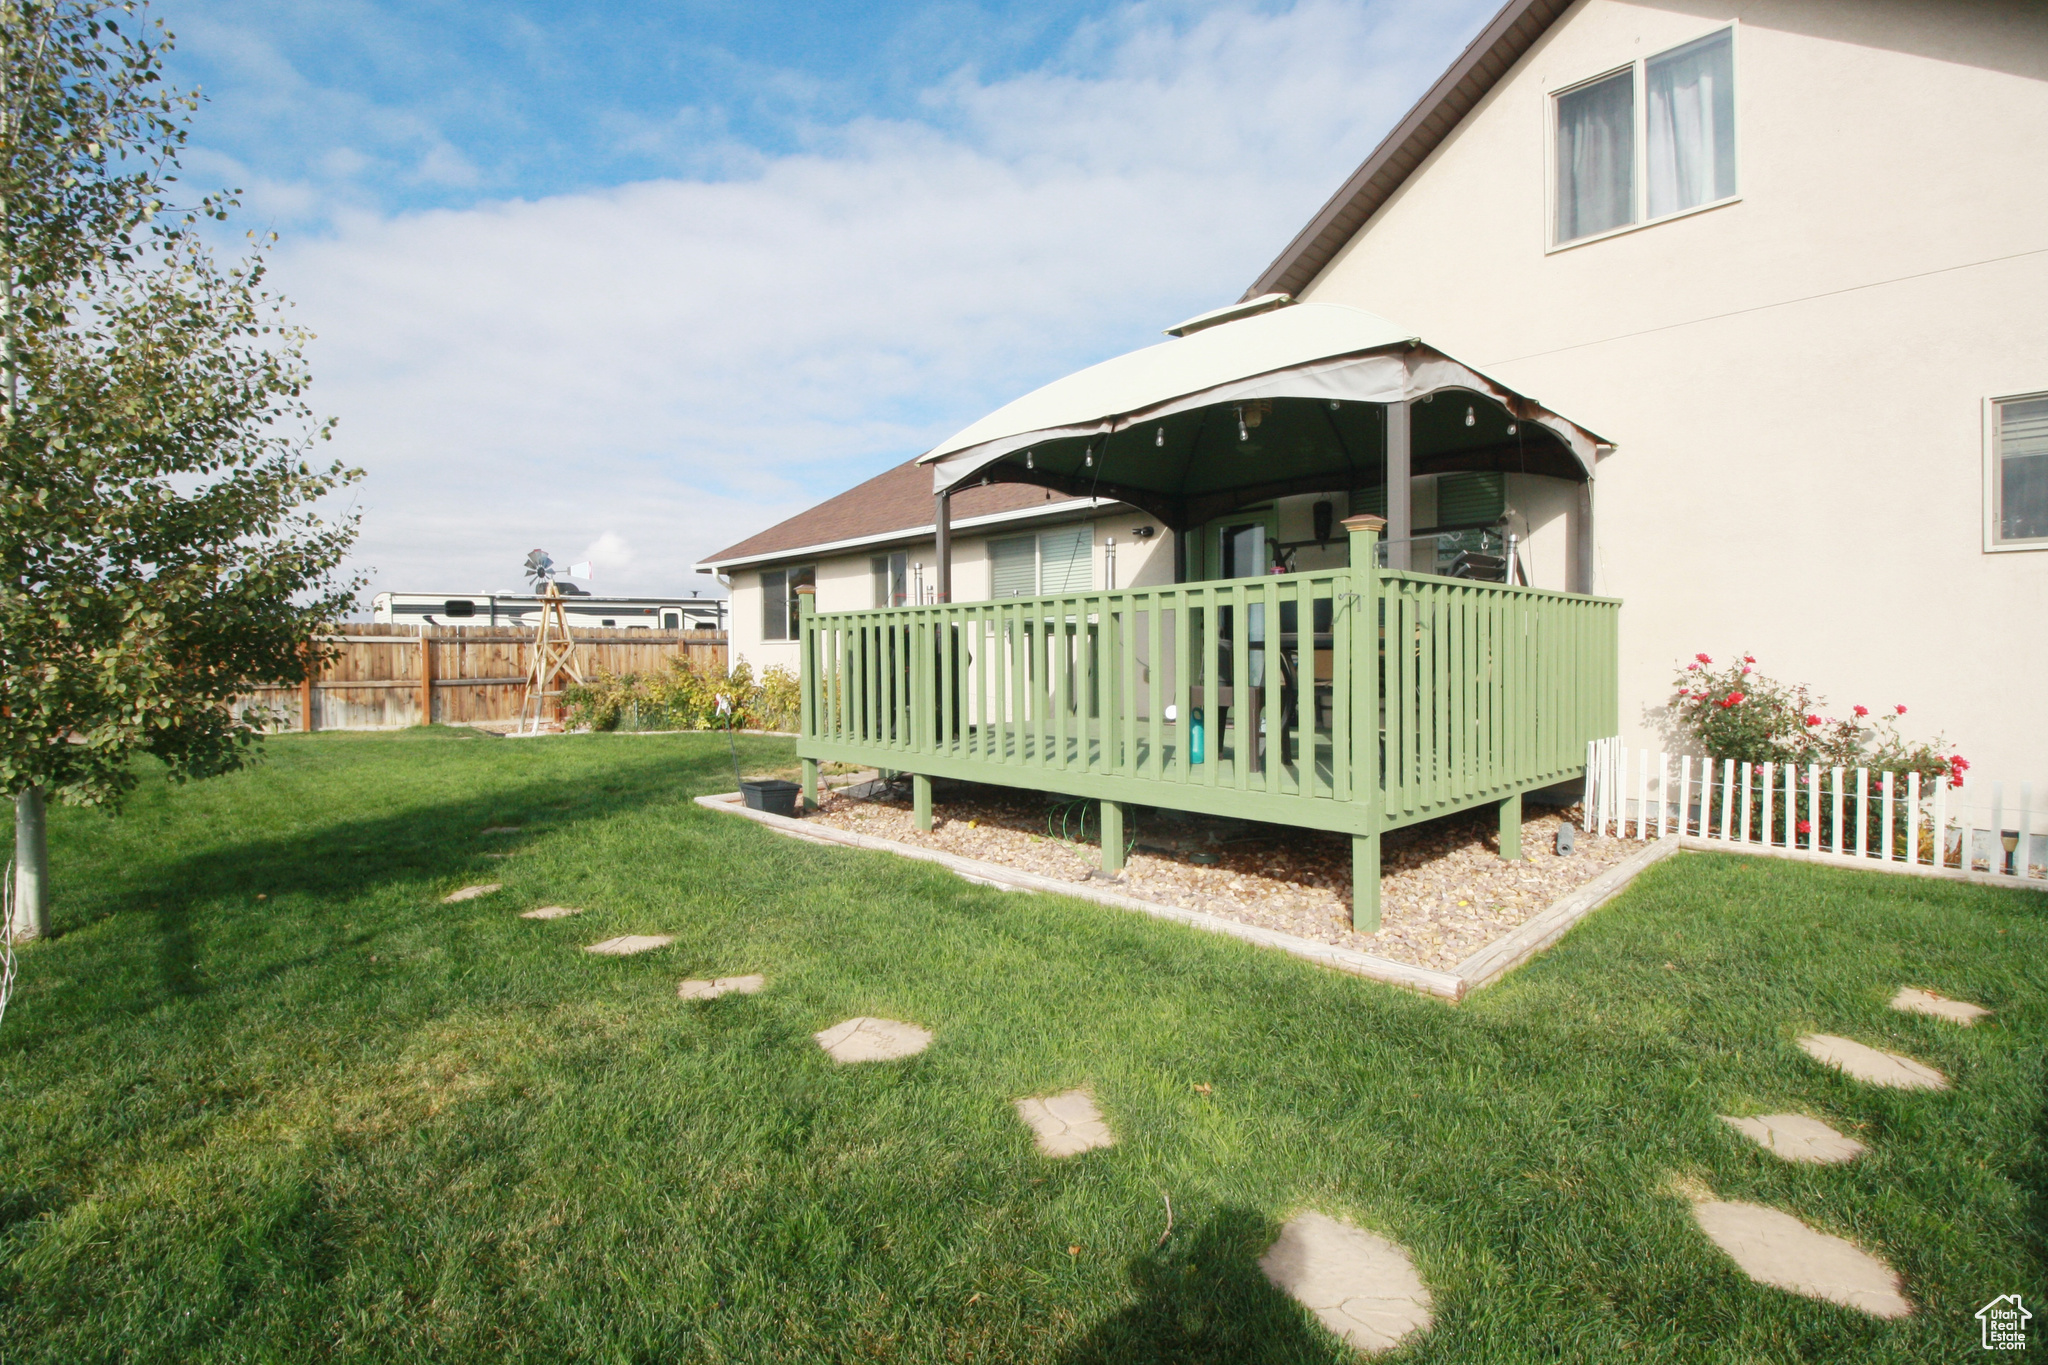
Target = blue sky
(632,281)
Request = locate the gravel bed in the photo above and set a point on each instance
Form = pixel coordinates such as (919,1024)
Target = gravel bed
(1444,890)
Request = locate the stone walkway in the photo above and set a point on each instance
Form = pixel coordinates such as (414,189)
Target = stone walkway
(867,1039)
(1362,1287)
(724,985)
(1365,1288)
(625,945)
(1871,1066)
(1796,1137)
(1066,1125)
(1777,1249)
(470,893)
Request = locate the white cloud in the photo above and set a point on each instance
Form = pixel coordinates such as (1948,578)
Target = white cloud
(673,365)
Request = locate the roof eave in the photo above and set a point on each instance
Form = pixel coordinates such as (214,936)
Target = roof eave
(1048,511)
(1512,32)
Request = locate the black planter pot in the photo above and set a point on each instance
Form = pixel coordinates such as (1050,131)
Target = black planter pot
(772,795)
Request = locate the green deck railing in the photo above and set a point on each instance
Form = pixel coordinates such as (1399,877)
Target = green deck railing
(1267,698)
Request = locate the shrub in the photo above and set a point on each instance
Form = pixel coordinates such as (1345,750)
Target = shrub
(681,697)
(1735,712)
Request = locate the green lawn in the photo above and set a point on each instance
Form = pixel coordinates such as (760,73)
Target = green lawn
(264,1098)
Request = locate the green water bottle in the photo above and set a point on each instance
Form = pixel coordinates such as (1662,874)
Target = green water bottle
(1195,737)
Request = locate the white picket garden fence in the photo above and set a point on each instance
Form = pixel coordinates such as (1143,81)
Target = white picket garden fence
(1864,813)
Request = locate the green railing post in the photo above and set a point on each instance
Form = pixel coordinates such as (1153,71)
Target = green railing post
(1365,719)
(1112,836)
(807,685)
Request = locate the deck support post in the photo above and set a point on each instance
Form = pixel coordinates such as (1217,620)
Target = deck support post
(1365,883)
(1400,486)
(1367,772)
(1511,828)
(921,801)
(1112,836)
(810,768)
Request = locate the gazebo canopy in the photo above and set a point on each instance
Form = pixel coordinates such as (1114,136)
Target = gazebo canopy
(1249,404)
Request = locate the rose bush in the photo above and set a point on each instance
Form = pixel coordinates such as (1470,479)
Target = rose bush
(1733,711)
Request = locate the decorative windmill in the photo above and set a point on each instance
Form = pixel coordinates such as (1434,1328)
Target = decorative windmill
(554,648)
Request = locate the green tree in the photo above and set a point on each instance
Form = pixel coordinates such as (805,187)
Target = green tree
(158,551)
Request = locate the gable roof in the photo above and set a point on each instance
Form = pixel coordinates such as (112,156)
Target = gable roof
(894,504)
(1484,61)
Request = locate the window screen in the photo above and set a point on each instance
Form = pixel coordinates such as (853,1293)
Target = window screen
(2022,491)
(1369,501)
(1065,561)
(775,604)
(1013,567)
(891,574)
(1596,155)
(798,578)
(458,606)
(1469,499)
(1691,124)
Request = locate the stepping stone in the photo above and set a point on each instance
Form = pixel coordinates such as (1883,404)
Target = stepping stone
(550,912)
(1777,1249)
(1868,1064)
(1363,1288)
(1911,1001)
(470,893)
(724,985)
(627,944)
(1796,1137)
(1066,1125)
(867,1039)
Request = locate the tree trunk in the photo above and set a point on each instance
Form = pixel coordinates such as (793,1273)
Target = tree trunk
(31,866)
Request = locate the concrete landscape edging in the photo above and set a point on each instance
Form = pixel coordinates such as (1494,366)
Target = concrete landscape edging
(1482,968)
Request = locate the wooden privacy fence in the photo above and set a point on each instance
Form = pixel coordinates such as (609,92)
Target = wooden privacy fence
(384,677)
(1355,700)
(1866,813)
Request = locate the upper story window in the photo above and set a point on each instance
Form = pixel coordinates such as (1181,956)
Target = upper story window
(779,601)
(2018,473)
(1654,139)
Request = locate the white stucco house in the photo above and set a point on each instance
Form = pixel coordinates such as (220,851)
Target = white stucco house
(1788,258)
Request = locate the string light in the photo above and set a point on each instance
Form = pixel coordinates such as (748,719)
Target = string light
(1511,428)
(1242,434)
(1159,437)
(1471,419)
(1029,463)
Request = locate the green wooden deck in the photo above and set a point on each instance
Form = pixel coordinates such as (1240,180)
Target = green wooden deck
(1477,692)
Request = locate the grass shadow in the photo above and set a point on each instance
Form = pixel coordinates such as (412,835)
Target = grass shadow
(1203,1299)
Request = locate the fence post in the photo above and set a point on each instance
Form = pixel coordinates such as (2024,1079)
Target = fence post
(807,685)
(1368,772)
(306,690)
(426,677)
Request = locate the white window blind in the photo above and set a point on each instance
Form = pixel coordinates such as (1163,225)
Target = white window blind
(1596,157)
(2022,494)
(1691,117)
(1066,563)
(1013,567)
